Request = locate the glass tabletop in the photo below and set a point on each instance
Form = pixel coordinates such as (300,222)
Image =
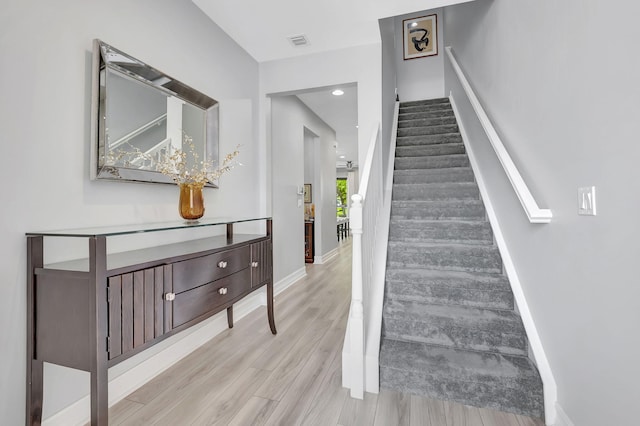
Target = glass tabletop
(109,231)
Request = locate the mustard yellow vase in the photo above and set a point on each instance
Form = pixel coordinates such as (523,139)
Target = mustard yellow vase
(191,205)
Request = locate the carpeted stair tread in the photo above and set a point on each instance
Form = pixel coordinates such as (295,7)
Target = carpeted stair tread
(487,290)
(469,232)
(438,209)
(441,175)
(428,130)
(453,257)
(424,108)
(436,162)
(447,292)
(402,116)
(435,191)
(429,150)
(429,139)
(426,121)
(462,327)
(491,380)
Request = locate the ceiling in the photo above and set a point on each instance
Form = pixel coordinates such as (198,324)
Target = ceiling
(262,27)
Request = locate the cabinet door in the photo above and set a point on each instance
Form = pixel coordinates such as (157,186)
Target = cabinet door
(136,309)
(261,263)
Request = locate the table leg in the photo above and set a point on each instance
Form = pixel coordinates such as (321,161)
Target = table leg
(230,316)
(272,323)
(35,393)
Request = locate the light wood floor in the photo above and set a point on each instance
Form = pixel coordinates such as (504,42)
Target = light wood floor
(247,376)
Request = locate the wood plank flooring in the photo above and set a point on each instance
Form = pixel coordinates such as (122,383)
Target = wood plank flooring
(246,376)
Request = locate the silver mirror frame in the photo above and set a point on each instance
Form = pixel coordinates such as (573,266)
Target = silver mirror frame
(167,85)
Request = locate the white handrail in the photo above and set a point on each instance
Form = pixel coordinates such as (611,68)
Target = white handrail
(533,212)
(138,131)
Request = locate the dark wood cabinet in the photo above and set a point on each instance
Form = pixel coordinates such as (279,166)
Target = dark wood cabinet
(94,313)
(309,251)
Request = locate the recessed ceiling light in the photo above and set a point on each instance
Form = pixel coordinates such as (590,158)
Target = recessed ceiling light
(342,156)
(337,92)
(357,127)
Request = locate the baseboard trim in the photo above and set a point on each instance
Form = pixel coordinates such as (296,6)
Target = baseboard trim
(289,280)
(184,343)
(562,418)
(548,381)
(325,257)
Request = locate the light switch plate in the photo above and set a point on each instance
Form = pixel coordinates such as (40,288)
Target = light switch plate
(587,201)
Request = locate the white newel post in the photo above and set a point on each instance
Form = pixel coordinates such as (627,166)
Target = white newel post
(356,319)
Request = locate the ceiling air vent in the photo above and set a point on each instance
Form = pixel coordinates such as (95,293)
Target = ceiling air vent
(298,40)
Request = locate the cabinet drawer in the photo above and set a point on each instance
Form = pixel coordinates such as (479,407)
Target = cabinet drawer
(193,273)
(191,304)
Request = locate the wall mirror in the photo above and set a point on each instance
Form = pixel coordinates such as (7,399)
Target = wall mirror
(140,113)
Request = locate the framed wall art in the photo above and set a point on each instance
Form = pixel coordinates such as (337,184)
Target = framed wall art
(420,37)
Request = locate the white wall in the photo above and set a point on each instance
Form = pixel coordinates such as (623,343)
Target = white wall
(389,84)
(309,158)
(560,82)
(359,65)
(45,125)
(419,78)
(289,118)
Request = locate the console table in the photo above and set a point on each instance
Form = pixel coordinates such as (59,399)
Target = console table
(93,313)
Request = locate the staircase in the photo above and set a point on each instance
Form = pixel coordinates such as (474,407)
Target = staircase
(449,327)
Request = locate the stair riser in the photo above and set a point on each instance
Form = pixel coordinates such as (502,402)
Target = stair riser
(425,114)
(424,122)
(429,130)
(471,233)
(434,294)
(428,192)
(460,258)
(517,397)
(429,139)
(436,210)
(439,162)
(461,280)
(435,101)
(427,150)
(457,175)
(492,336)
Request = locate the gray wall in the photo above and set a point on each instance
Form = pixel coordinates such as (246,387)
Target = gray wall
(419,78)
(289,118)
(560,82)
(45,126)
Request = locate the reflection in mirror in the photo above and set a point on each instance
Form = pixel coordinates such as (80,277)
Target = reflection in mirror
(140,114)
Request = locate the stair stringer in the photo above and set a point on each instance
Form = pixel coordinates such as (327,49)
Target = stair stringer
(550,390)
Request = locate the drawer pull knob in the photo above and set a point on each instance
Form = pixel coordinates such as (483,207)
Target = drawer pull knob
(254,264)
(222,264)
(222,290)
(169,296)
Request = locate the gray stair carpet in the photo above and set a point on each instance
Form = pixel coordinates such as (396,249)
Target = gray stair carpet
(450,330)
